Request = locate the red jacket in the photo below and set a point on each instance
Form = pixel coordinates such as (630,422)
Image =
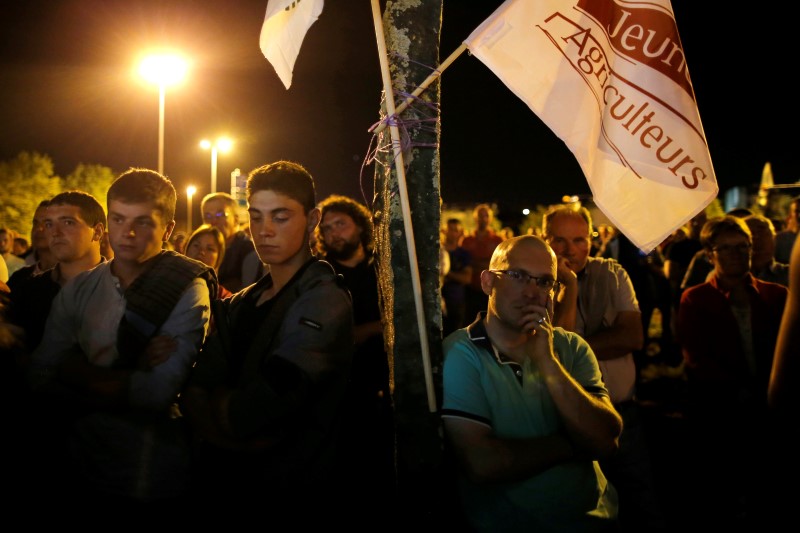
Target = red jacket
(712,347)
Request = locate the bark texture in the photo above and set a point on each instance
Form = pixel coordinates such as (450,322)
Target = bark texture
(412,29)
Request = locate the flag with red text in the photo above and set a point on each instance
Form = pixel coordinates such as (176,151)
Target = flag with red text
(610,79)
(285,26)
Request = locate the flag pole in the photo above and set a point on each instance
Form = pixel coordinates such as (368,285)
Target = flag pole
(406,210)
(424,85)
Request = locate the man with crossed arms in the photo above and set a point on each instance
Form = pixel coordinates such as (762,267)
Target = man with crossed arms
(525,408)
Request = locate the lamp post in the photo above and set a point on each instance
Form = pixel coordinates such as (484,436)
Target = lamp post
(223,144)
(164,71)
(190,190)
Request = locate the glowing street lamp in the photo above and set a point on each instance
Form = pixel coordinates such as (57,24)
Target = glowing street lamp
(190,190)
(164,71)
(223,144)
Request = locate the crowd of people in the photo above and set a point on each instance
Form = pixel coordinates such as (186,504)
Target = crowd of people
(243,366)
(721,295)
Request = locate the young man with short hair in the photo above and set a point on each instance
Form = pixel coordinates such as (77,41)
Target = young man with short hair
(74,222)
(39,254)
(267,392)
(39,257)
(121,339)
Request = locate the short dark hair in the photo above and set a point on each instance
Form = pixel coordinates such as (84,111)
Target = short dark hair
(355,210)
(756,221)
(91,211)
(717,225)
(740,212)
(285,177)
(139,185)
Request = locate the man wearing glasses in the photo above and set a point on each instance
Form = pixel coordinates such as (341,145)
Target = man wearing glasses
(599,303)
(728,328)
(221,211)
(525,409)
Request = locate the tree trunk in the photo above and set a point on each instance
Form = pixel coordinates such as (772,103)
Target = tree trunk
(412,30)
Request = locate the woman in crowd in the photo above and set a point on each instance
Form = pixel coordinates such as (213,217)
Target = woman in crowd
(207,244)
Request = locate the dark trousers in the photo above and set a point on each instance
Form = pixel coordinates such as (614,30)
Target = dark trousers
(630,472)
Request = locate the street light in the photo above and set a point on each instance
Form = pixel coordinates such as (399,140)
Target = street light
(164,71)
(223,144)
(190,190)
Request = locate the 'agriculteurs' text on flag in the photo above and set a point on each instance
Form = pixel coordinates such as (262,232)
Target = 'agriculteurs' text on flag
(611,81)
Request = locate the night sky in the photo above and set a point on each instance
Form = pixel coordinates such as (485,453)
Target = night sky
(69,89)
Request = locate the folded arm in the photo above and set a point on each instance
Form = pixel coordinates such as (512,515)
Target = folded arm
(488,459)
(624,336)
(64,369)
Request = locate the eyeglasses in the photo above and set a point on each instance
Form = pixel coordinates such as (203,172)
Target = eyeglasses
(216,216)
(726,249)
(524,279)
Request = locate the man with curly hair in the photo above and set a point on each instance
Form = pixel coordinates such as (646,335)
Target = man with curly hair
(344,238)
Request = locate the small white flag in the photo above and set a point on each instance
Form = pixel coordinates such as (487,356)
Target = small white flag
(285,26)
(610,79)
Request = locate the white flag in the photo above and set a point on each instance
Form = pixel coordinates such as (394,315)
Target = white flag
(610,79)
(285,26)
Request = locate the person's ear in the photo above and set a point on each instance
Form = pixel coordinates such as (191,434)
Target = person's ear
(487,281)
(314,217)
(168,232)
(98,231)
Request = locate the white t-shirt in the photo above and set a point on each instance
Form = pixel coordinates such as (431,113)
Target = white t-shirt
(604,291)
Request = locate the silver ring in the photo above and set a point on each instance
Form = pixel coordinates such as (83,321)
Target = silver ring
(541,320)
